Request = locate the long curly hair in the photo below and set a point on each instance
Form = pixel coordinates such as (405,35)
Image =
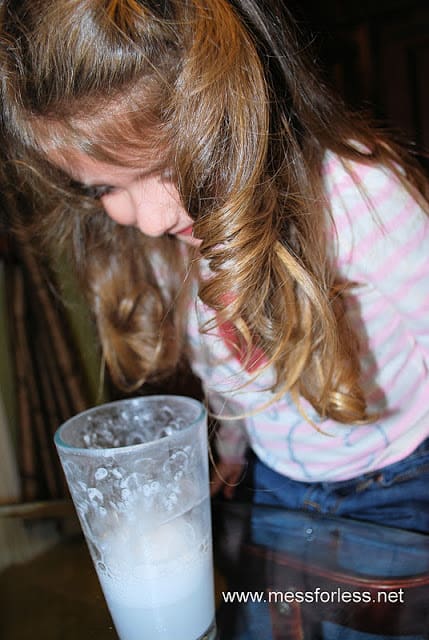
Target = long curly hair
(222,95)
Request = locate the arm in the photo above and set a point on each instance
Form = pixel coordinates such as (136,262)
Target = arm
(231,446)
(383,239)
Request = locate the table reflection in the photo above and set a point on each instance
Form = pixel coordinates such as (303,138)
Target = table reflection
(314,577)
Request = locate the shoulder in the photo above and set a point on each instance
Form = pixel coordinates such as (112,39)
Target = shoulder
(369,204)
(351,183)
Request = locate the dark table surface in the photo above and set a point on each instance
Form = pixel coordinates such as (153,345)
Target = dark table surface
(305,576)
(280,575)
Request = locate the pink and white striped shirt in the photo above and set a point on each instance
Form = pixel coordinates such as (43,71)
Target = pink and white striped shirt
(383,245)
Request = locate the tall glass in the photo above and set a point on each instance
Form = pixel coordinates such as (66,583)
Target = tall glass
(137,470)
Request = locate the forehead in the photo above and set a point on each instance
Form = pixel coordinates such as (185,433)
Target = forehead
(88,170)
(101,144)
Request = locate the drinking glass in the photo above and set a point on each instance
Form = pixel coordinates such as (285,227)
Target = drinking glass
(137,470)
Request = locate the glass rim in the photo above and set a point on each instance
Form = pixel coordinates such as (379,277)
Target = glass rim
(104,451)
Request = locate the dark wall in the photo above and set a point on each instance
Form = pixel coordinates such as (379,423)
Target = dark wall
(376,52)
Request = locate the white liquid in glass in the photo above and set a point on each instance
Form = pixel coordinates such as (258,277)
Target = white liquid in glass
(164,588)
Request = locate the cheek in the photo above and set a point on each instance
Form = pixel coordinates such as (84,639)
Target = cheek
(119,208)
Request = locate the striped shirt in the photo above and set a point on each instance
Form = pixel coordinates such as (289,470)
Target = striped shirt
(381,236)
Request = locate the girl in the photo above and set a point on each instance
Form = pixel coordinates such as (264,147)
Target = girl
(222,206)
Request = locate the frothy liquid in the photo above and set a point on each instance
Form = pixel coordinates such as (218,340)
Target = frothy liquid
(161,586)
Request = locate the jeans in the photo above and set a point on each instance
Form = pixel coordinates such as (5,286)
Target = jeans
(397,496)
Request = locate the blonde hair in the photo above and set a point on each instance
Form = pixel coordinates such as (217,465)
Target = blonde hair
(222,94)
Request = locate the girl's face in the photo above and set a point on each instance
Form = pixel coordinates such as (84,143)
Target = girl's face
(143,199)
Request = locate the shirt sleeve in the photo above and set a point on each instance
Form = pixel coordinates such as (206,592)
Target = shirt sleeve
(231,435)
(382,236)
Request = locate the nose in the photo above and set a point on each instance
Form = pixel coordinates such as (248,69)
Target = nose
(149,207)
(153,218)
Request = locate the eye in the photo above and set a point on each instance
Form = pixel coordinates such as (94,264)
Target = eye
(98,191)
(95,192)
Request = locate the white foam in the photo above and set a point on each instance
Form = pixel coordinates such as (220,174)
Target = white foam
(159,583)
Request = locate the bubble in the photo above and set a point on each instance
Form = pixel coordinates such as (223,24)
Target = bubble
(170,501)
(95,496)
(101,567)
(135,437)
(101,473)
(151,488)
(132,483)
(176,465)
